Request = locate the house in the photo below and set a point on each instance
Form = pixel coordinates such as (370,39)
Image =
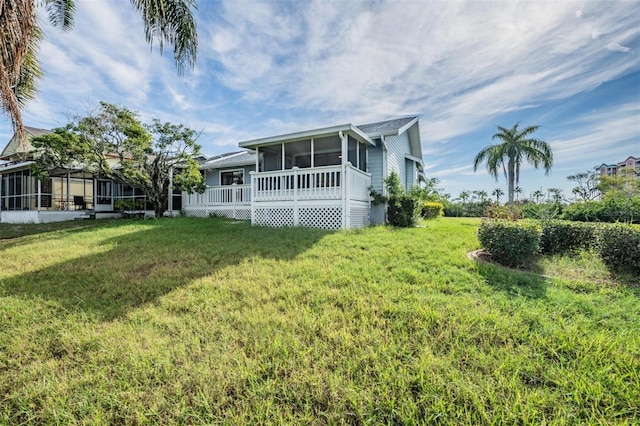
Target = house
(315,178)
(66,195)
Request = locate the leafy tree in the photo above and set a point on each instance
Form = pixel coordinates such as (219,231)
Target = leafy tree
(165,22)
(586,188)
(515,147)
(497,193)
(428,191)
(464,196)
(114,144)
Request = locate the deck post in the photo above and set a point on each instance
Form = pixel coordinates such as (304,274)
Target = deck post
(234,189)
(343,178)
(170,191)
(253,196)
(39,184)
(295,196)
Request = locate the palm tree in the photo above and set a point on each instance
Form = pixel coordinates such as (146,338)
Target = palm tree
(497,193)
(483,196)
(165,22)
(537,195)
(508,155)
(464,196)
(517,191)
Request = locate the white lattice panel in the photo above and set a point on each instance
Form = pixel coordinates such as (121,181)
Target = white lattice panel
(359,217)
(274,216)
(244,214)
(320,217)
(196,213)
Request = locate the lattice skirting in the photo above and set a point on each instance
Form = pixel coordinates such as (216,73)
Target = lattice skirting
(273,216)
(320,217)
(240,213)
(359,216)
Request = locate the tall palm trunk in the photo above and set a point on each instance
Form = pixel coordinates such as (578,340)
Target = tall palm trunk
(511,177)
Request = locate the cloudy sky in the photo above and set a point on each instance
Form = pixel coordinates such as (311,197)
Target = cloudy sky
(464,67)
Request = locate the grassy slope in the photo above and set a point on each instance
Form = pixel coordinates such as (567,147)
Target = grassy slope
(200,320)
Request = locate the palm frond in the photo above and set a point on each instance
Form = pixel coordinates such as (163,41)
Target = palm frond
(171,22)
(61,13)
(18,24)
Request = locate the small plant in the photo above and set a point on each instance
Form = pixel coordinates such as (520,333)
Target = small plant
(431,210)
(510,243)
(128,205)
(403,208)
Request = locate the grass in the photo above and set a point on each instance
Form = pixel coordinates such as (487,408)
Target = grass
(212,321)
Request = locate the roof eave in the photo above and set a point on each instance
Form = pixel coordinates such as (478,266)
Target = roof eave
(288,137)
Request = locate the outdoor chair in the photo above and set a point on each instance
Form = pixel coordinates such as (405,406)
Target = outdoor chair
(78,202)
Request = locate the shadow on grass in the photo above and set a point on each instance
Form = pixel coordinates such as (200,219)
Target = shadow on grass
(139,267)
(513,282)
(11,235)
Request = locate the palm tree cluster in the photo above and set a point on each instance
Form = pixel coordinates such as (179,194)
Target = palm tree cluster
(165,22)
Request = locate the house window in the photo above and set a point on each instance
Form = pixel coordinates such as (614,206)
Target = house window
(297,154)
(272,157)
(230,177)
(327,151)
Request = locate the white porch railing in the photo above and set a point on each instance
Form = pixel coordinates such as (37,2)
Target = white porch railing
(318,183)
(228,195)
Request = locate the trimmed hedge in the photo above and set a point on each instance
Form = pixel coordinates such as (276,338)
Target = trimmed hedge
(510,243)
(559,236)
(513,243)
(619,247)
(431,210)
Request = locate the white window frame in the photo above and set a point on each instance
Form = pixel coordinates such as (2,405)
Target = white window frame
(229,171)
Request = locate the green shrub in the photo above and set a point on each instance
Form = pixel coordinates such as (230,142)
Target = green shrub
(431,210)
(614,209)
(619,247)
(509,243)
(560,236)
(496,211)
(402,210)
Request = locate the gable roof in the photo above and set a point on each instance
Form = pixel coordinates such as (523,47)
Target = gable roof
(388,127)
(230,159)
(14,146)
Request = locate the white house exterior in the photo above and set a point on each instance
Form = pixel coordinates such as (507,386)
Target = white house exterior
(315,178)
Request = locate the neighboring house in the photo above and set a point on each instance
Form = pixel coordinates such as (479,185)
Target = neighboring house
(66,195)
(228,191)
(630,167)
(316,178)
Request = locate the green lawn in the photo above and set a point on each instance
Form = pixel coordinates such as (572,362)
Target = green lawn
(212,321)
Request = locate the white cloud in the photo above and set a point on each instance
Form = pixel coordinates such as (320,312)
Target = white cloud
(615,47)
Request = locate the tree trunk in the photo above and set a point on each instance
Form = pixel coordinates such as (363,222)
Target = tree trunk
(511,177)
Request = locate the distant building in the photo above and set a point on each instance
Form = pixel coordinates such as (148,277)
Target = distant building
(629,167)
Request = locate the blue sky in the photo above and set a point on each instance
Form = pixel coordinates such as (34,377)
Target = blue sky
(464,67)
